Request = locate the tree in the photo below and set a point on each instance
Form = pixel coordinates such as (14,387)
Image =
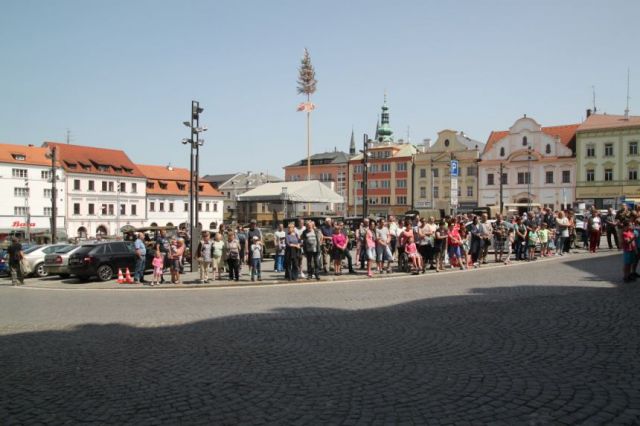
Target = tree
(307,76)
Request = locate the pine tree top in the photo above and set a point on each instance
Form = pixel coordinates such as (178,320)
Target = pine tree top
(307,75)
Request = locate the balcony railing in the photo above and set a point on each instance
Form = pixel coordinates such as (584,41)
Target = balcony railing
(601,182)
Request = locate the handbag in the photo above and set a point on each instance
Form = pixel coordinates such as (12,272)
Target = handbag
(25,267)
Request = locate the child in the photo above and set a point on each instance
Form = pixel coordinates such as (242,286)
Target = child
(158,265)
(552,242)
(509,245)
(256,258)
(628,250)
(543,236)
(412,251)
(533,242)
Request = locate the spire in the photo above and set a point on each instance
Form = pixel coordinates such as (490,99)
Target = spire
(375,138)
(384,132)
(352,144)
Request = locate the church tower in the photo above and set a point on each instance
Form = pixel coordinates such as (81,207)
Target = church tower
(384,134)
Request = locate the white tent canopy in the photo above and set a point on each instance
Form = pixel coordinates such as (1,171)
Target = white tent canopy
(308,191)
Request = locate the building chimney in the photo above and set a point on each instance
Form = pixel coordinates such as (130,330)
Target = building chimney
(588,112)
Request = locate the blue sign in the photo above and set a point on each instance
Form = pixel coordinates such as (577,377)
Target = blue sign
(454,168)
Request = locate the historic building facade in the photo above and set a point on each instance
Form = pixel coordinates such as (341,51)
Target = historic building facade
(536,165)
(432,172)
(167,204)
(608,160)
(26,191)
(390,177)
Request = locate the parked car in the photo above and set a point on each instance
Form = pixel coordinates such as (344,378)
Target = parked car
(103,260)
(4,262)
(57,263)
(34,256)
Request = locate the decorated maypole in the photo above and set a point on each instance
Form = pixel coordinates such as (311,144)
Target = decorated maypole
(307,86)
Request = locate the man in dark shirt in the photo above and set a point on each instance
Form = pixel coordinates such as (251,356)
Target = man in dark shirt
(610,223)
(15,256)
(327,232)
(254,231)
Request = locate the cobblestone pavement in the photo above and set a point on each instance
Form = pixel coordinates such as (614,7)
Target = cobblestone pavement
(551,342)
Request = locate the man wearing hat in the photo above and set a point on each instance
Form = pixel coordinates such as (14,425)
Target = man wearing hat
(253,231)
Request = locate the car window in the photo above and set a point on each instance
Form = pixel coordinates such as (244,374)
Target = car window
(31,249)
(54,249)
(65,249)
(130,247)
(85,249)
(99,249)
(118,247)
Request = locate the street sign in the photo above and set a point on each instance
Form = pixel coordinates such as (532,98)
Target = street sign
(454,191)
(454,168)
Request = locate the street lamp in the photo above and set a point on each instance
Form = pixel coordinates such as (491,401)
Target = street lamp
(365,174)
(529,178)
(194,171)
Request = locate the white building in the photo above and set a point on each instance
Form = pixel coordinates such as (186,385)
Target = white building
(538,166)
(26,210)
(168,198)
(104,190)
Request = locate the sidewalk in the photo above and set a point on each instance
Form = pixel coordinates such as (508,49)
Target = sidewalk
(191,279)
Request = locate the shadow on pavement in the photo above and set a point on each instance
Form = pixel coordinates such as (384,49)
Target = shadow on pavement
(569,357)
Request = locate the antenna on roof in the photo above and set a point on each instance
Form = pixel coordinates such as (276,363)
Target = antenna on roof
(626,111)
(408,134)
(68,137)
(593,89)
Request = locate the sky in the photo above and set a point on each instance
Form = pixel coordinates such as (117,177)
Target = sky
(122,73)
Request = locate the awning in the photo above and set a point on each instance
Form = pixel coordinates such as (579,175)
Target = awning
(308,191)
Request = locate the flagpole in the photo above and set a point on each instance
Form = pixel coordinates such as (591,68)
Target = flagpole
(308,148)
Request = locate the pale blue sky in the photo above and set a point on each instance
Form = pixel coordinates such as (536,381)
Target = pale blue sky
(122,74)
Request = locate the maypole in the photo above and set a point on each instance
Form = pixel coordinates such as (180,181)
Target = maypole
(307,86)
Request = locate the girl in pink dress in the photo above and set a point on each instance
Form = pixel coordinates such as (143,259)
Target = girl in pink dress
(158,265)
(412,251)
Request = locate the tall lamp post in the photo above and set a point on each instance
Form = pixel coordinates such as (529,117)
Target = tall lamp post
(528,179)
(501,187)
(54,194)
(365,175)
(195,142)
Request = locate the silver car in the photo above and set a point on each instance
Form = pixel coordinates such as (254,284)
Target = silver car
(35,257)
(57,263)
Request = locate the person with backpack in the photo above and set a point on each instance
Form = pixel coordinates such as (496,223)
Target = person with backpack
(233,248)
(312,244)
(15,257)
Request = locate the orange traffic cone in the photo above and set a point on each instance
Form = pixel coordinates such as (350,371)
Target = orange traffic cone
(127,276)
(120,277)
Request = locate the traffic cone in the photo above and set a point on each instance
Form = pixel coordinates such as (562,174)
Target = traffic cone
(120,277)
(127,276)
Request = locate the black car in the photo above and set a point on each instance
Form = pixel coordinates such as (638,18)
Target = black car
(103,260)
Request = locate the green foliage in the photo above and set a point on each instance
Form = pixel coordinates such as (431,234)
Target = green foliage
(307,75)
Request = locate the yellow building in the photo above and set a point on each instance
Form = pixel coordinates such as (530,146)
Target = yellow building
(607,159)
(432,172)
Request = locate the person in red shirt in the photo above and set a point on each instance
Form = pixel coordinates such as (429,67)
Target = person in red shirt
(628,249)
(454,243)
(412,252)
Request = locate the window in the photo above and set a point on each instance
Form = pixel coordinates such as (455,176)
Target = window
(215,207)
(591,175)
(524,141)
(104,210)
(326,177)
(633,148)
(423,192)
(123,187)
(48,211)
(469,191)
(171,207)
(111,186)
(182,186)
(123,209)
(104,186)
(633,174)
(385,167)
(20,211)
(423,173)
(548,177)
(76,184)
(47,193)
(161,206)
(401,167)
(502,151)
(401,200)
(111,210)
(608,174)
(490,179)
(206,207)
(356,169)
(19,157)
(152,206)
(505,179)
(547,150)
(608,150)
(134,188)
(20,192)
(19,173)
(523,178)
(435,173)
(435,192)
(401,183)
(92,209)
(471,171)
(134,209)
(385,184)
(46,174)
(459,191)
(591,151)
(92,185)
(385,200)
(566,176)
(76,208)
(186,207)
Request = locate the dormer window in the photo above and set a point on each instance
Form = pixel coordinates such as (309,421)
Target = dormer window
(502,151)
(163,185)
(150,185)
(71,165)
(19,157)
(181,186)
(200,188)
(127,170)
(524,141)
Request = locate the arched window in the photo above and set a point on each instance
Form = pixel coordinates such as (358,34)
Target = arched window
(169,224)
(82,232)
(502,151)
(153,224)
(524,141)
(446,142)
(101,230)
(213,225)
(548,149)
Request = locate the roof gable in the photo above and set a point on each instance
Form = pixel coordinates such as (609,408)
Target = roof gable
(93,160)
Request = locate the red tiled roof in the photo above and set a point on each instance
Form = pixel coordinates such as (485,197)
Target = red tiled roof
(33,155)
(97,161)
(566,133)
(606,121)
(162,180)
